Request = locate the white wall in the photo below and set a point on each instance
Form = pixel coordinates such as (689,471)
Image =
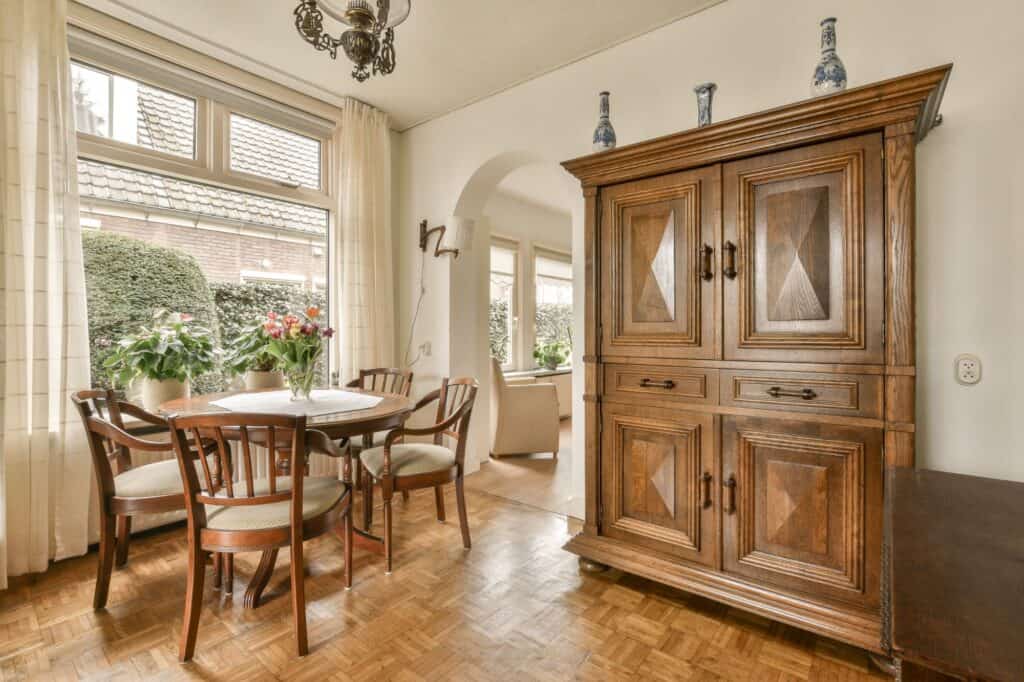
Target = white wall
(761,54)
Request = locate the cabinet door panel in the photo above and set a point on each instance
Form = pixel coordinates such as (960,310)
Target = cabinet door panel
(657,299)
(808,229)
(807,511)
(659,478)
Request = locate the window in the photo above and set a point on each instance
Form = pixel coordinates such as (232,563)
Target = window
(553,298)
(503,314)
(132,112)
(177,223)
(271,152)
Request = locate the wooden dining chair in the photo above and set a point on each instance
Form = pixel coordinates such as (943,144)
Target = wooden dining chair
(125,490)
(411,466)
(257,513)
(382,380)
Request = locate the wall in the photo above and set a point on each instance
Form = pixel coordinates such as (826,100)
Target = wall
(762,54)
(532,226)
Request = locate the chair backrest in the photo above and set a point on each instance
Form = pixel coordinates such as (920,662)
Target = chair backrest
(109,443)
(384,380)
(269,432)
(497,378)
(455,405)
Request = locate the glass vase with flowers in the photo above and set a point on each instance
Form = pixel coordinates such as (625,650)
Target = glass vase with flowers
(297,342)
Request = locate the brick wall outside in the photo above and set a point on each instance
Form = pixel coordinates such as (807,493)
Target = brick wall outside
(223,255)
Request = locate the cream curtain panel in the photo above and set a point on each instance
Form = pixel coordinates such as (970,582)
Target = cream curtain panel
(45,470)
(362,287)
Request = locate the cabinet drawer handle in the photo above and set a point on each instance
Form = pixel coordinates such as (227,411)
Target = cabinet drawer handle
(667,384)
(806,394)
(730,495)
(705,490)
(706,272)
(729,262)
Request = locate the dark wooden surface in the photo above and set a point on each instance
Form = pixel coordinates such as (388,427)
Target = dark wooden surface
(958,573)
(390,413)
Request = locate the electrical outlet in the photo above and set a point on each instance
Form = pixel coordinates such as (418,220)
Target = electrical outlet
(425,349)
(967,369)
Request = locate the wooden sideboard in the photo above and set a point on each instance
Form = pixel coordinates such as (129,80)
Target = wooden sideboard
(749,353)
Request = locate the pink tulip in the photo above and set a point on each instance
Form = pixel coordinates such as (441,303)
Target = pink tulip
(271,315)
(306,329)
(328,333)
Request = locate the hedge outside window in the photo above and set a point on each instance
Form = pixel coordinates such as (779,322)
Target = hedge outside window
(503,313)
(553,298)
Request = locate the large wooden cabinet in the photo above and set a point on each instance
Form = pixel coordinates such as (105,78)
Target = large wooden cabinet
(750,353)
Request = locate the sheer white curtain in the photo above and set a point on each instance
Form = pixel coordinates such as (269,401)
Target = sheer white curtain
(45,471)
(362,289)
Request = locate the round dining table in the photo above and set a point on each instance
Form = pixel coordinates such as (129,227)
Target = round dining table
(390,413)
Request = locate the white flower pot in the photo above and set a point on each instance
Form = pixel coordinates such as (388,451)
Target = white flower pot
(156,392)
(257,380)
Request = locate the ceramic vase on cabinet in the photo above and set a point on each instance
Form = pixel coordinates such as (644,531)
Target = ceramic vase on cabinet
(705,91)
(604,134)
(830,74)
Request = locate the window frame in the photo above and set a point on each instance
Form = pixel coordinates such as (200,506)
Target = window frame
(540,250)
(515,312)
(245,176)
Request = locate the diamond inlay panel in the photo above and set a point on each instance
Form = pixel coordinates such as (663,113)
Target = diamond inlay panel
(798,255)
(653,254)
(652,478)
(796,506)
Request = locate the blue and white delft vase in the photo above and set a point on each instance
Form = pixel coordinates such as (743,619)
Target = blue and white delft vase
(705,91)
(830,74)
(604,134)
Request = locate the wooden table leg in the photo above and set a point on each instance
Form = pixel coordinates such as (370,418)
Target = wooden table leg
(260,578)
(367,541)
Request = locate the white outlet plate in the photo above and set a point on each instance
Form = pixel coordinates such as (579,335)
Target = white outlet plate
(967,369)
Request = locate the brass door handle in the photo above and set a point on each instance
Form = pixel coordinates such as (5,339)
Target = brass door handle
(705,490)
(806,394)
(706,272)
(729,260)
(730,495)
(667,384)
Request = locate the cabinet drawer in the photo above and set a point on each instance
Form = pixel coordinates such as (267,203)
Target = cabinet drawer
(855,395)
(656,383)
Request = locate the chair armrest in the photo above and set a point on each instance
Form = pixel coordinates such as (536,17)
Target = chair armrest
(427,399)
(355,383)
(142,415)
(317,441)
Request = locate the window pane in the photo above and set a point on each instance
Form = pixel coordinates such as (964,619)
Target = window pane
(553,287)
(226,257)
(552,267)
(132,112)
(271,152)
(502,314)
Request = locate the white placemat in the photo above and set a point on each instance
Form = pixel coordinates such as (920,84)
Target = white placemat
(325,401)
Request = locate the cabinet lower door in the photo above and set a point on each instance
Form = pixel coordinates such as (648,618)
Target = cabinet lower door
(659,479)
(802,507)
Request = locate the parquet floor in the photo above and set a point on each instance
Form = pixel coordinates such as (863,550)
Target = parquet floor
(515,607)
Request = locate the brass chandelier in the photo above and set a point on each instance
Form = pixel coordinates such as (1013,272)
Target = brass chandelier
(370,40)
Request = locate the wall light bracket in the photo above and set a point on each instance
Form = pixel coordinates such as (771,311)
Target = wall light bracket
(425,236)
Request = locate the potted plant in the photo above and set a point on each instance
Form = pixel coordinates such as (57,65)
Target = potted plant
(551,355)
(297,342)
(167,356)
(249,355)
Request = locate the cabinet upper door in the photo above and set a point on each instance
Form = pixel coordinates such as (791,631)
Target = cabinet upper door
(802,506)
(659,479)
(803,254)
(658,281)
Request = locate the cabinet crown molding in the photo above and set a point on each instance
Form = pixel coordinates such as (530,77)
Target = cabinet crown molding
(911,101)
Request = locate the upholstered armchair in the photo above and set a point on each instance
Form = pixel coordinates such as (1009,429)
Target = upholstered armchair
(524,418)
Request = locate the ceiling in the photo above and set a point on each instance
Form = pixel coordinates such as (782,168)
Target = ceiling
(540,184)
(450,52)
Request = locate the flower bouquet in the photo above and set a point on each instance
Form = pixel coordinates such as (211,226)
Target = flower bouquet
(297,342)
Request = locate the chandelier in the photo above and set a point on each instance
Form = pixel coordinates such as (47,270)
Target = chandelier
(370,40)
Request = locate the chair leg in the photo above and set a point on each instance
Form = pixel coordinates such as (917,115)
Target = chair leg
(124,531)
(106,561)
(298,569)
(460,498)
(228,577)
(405,496)
(554,455)
(386,490)
(193,599)
(218,564)
(367,501)
(439,502)
(347,529)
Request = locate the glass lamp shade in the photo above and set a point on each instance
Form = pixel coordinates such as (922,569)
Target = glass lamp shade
(398,13)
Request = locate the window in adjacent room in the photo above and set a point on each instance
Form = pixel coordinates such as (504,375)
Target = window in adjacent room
(553,297)
(503,313)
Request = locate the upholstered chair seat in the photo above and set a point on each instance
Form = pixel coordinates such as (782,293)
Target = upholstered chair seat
(151,480)
(319,495)
(409,460)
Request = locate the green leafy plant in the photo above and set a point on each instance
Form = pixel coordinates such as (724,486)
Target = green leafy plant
(170,348)
(551,355)
(249,351)
(297,342)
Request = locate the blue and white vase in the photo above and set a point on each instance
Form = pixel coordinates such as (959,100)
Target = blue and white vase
(705,91)
(604,134)
(830,74)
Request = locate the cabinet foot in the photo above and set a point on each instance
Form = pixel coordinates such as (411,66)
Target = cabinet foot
(590,566)
(890,666)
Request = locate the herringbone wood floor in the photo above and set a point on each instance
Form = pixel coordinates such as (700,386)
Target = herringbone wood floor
(514,607)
